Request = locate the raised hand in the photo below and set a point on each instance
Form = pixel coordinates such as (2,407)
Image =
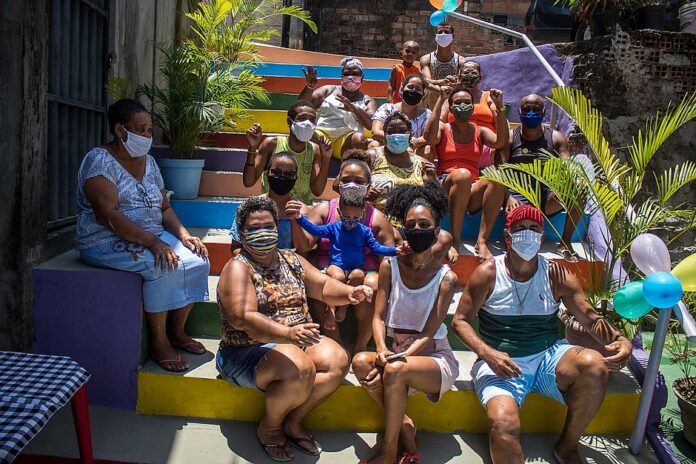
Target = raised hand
(497,97)
(347,104)
(310,77)
(254,136)
(294,209)
(325,147)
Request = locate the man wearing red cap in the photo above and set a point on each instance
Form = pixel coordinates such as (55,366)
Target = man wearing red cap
(516,297)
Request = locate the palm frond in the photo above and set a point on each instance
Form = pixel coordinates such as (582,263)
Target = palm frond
(657,130)
(673,179)
(512,178)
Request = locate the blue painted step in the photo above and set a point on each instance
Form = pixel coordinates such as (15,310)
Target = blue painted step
(323,71)
(218,213)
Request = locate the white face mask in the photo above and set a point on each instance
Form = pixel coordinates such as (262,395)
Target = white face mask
(303,130)
(136,145)
(526,243)
(362,189)
(444,40)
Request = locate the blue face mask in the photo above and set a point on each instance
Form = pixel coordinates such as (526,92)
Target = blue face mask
(532,119)
(397,143)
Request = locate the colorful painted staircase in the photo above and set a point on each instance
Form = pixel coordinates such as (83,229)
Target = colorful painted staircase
(95,315)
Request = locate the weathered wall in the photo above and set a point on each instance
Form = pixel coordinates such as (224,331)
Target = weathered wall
(630,77)
(379,28)
(23,58)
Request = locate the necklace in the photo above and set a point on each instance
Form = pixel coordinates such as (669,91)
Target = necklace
(520,301)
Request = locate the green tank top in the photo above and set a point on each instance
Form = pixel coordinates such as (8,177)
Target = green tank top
(301,191)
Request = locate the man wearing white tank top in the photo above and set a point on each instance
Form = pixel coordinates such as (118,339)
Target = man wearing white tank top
(516,297)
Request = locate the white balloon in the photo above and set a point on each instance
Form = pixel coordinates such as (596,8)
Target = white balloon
(650,254)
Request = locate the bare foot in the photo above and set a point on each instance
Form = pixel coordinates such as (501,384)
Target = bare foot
(382,457)
(567,456)
(452,255)
(167,358)
(341,313)
(482,251)
(407,436)
(274,442)
(330,318)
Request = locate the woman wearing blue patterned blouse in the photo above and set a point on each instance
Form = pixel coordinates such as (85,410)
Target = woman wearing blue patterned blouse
(125,222)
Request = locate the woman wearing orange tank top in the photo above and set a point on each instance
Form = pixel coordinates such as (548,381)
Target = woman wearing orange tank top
(459,146)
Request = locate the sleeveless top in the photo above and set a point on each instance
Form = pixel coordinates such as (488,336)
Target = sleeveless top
(302,190)
(526,151)
(482,115)
(334,121)
(401,72)
(520,318)
(452,155)
(324,244)
(280,294)
(442,69)
(417,124)
(139,201)
(409,308)
(386,176)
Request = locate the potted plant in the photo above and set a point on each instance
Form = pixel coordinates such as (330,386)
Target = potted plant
(600,15)
(683,354)
(648,14)
(207,81)
(612,185)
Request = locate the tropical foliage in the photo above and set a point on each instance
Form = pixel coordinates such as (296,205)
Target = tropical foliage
(207,81)
(614,183)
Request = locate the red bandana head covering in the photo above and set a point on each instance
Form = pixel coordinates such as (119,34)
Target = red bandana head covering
(522,213)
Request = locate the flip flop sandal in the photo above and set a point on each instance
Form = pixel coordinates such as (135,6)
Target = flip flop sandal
(162,362)
(569,255)
(272,446)
(295,442)
(193,347)
(408,458)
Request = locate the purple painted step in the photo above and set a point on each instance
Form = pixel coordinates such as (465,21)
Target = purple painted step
(227,159)
(95,317)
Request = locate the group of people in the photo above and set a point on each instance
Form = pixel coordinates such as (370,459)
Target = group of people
(378,248)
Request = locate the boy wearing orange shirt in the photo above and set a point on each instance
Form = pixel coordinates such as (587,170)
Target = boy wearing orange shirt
(409,53)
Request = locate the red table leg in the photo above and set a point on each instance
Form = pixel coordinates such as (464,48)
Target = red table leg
(80,410)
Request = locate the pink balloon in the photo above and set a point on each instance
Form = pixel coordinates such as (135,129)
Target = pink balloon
(650,254)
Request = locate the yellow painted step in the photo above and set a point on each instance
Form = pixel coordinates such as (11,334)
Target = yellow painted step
(199,393)
(272,121)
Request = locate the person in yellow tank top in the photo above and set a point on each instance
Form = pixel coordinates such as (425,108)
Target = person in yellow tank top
(312,158)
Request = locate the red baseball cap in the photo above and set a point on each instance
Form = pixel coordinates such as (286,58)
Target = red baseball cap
(521,213)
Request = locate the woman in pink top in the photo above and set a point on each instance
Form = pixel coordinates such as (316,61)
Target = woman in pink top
(459,146)
(411,304)
(353,174)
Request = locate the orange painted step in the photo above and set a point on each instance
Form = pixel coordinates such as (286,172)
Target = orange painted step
(294,85)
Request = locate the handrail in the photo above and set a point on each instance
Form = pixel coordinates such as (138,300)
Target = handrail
(518,35)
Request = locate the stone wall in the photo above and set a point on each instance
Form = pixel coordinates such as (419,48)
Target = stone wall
(379,28)
(630,77)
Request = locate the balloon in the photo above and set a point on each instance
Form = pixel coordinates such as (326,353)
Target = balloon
(449,6)
(650,254)
(629,301)
(437,17)
(662,290)
(686,273)
(437,4)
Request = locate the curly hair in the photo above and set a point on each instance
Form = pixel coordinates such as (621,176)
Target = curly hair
(282,155)
(404,197)
(253,205)
(456,91)
(356,154)
(351,197)
(293,110)
(397,115)
(356,162)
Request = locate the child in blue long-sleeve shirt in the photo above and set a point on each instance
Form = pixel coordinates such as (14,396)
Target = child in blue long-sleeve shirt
(349,237)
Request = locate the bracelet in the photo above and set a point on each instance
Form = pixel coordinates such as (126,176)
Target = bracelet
(310,88)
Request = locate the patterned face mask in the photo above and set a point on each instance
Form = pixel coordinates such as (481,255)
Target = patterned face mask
(261,241)
(348,223)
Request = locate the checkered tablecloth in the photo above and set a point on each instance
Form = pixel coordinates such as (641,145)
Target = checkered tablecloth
(32,388)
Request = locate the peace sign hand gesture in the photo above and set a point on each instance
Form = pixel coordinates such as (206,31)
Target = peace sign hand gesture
(310,77)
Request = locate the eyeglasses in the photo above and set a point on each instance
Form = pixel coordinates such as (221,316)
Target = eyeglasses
(280,173)
(143,192)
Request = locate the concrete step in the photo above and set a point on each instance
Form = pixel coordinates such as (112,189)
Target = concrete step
(200,393)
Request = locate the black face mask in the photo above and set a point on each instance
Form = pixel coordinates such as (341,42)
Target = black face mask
(412,97)
(281,185)
(419,239)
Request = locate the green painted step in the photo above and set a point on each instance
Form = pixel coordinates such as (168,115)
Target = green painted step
(282,101)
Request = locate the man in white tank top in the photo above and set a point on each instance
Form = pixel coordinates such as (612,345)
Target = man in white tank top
(441,66)
(516,297)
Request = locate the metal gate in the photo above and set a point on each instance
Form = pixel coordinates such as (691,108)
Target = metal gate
(77,64)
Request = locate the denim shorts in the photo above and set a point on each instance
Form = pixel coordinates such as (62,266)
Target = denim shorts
(238,364)
(162,290)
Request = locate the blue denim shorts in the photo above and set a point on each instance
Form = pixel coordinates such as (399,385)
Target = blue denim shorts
(238,364)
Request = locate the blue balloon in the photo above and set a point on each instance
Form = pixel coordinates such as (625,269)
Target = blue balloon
(449,6)
(437,18)
(662,290)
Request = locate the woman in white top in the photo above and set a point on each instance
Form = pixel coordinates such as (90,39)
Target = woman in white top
(411,303)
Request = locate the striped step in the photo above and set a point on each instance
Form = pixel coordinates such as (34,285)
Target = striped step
(283,101)
(294,85)
(230,184)
(275,121)
(323,71)
(199,393)
(275,54)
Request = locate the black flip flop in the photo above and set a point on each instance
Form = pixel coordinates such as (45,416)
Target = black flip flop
(267,446)
(295,442)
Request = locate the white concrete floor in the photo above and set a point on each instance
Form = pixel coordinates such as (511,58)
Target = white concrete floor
(130,437)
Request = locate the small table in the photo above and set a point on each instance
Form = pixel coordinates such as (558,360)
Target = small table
(32,388)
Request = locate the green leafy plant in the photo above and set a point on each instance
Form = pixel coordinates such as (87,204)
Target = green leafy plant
(613,183)
(584,9)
